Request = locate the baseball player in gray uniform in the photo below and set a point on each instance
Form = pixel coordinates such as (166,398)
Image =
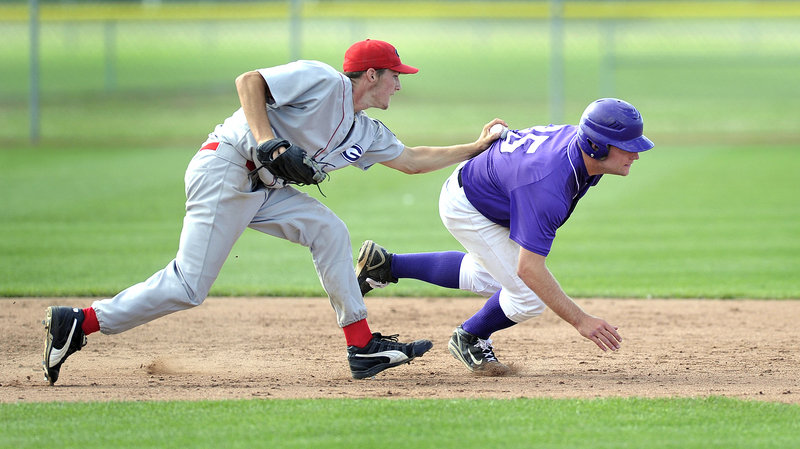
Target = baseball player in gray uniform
(505,206)
(297,122)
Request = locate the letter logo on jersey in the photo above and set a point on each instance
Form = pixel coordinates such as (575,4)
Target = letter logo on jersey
(353,153)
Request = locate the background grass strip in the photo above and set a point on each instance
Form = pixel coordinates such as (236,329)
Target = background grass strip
(687,222)
(542,423)
(402,10)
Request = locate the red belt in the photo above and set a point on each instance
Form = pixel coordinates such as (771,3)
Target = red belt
(213,147)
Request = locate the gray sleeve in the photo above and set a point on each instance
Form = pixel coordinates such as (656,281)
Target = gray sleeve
(385,145)
(290,83)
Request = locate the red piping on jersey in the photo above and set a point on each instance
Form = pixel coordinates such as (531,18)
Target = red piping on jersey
(340,121)
(213,147)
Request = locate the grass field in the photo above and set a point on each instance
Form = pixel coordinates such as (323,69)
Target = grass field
(423,424)
(711,212)
(688,222)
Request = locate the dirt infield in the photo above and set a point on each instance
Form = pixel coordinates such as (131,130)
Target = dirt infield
(291,348)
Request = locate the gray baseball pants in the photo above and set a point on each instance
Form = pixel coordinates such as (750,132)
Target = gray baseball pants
(220,204)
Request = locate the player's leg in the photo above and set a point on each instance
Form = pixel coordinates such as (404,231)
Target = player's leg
(376,267)
(299,218)
(219,201)
(514,303)
(497,254)
(219,204)
(296,216)
(494,254)
(495,257)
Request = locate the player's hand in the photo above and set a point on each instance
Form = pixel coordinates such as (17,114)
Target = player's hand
(604,335)
(487,136)
(292,164)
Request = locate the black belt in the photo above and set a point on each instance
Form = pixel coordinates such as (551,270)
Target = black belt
(460,184)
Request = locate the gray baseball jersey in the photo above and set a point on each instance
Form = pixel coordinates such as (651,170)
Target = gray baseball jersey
(310,105)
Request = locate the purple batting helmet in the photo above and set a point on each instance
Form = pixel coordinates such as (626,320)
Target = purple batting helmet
(609,121)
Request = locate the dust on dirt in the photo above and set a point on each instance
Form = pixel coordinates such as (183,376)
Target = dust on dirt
(292,348)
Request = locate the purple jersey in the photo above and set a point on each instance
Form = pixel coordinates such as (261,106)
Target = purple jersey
(529,182)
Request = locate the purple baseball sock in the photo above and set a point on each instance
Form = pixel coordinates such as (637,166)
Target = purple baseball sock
(489,319)
(441,268)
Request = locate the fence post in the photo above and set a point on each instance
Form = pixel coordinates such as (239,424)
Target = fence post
(295,29)
(608,55)
(33,25)
(556,84)
(110,49)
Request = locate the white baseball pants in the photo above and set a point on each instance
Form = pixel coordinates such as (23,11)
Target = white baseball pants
(491,262)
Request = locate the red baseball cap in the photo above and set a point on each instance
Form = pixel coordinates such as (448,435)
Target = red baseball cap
(376,55)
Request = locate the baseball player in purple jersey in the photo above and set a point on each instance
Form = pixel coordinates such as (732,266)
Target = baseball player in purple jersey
(505,206)
(315,113)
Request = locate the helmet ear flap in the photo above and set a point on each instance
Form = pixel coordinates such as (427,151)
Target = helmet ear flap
(598,152)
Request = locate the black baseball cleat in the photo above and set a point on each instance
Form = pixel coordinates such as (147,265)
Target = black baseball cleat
(476,353)
(63,336)
(383,352)
(374,263)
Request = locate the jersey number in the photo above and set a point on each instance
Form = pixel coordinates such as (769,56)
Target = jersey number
(531,141)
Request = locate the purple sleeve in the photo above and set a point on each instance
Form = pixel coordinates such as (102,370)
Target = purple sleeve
(536,214)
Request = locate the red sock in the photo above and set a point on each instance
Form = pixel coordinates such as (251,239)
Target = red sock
(90,323)
(357,334)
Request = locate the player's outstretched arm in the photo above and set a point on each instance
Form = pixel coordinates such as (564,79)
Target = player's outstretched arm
(424,159)
(534,272)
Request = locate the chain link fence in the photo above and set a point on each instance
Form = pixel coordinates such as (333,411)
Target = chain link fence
(163,72)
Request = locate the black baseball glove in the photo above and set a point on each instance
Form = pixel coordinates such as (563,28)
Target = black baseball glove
(293,165)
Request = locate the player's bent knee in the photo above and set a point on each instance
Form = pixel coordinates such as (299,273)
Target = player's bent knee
(519,309)
(334,235)
(479,286)
(190,292)
(473,277)
(519,317)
